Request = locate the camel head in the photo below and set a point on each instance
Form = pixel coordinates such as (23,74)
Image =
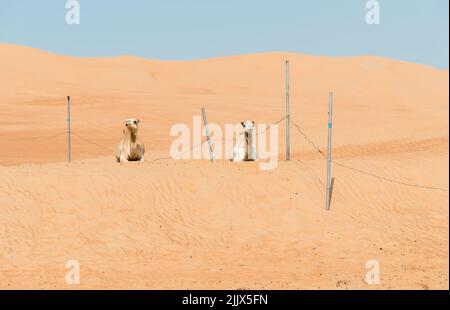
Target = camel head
(132,125)
(248,126)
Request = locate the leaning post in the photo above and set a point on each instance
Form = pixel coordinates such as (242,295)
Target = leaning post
(205,122)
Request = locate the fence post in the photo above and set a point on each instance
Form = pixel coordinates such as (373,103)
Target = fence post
(288,116)
(69,149)
(205,121)
(330,127)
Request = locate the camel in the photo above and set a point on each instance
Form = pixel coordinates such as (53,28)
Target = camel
(130,147)
(245,149)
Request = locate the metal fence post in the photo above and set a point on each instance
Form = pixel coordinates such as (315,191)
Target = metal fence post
(330,128)
(288,117)
(205,121)
(69,147)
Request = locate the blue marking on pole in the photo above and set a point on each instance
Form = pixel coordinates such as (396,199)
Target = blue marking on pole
(330,125)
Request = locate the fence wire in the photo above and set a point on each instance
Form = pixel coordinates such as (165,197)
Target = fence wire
(382,178)
(215,140)
(361,171)
(309,140)
(35,137)
(299,129)
(103,147)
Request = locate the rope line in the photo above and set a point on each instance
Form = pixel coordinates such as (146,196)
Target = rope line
(213,140)
(35,138)
(160,158)
(361,171)
(296,125)
(180,155)
(382,178)
(92,142)
(310,141)
(271,125)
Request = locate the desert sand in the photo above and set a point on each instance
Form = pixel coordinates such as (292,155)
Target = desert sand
(191,224)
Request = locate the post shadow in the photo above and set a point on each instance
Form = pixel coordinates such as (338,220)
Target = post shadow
(331,189)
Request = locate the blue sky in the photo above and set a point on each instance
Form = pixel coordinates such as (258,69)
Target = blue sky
(411,30)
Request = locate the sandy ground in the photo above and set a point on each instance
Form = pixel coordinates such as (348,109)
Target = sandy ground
(191,224)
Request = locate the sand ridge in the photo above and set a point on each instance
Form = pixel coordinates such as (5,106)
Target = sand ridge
(167,224)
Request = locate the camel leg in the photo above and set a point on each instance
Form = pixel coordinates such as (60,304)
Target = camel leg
(123,159)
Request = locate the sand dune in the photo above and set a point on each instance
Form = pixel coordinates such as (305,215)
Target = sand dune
(171,224)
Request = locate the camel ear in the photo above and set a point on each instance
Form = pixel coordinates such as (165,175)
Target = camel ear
(242,123)
(253,122)
(138,121)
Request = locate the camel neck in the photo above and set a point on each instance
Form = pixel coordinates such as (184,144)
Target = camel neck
(131,135)
(246,135)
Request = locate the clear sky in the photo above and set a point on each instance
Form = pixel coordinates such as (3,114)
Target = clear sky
(411,30)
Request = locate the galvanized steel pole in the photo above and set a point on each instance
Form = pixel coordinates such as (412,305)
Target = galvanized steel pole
(205,121)
(69,147)
(330,128)
(288,116)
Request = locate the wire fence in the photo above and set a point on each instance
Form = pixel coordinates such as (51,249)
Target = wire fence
(215,140)
(302,164)
(382,178)
(34,138)
(361,171)
(309,140)
(103,147)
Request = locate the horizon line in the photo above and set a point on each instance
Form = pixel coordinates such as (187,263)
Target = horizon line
(445,69)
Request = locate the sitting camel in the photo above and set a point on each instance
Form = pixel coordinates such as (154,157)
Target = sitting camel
(245,149)
(130,147)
